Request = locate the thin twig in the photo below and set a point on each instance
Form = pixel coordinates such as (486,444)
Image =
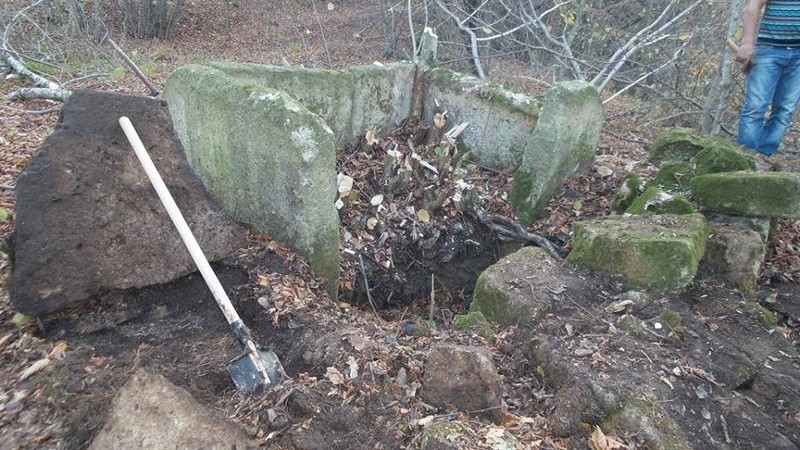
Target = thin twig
(322,33)
(153,89)
(431,311)
(366,287)
(33,112)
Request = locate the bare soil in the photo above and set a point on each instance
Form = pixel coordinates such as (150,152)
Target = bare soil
(728,369)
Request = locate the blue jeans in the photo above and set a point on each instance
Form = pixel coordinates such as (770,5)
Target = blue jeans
(773,81)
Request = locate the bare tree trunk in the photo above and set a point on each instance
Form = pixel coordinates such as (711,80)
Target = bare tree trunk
(76,17)
(390,49)
(720,92)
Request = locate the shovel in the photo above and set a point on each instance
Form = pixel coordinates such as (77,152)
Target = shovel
(256,366)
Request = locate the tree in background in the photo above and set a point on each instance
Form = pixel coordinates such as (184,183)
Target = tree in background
(669,56)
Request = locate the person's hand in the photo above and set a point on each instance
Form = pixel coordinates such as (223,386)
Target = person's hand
(744,55)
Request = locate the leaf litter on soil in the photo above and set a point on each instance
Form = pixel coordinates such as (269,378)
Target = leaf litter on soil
(289,293)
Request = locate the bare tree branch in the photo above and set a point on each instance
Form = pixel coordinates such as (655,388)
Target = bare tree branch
(476,59)
(153,89)
(60,95)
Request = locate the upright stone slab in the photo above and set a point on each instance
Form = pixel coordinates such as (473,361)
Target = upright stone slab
(268,159)
(88,220)
(562,146)
(501,122)
(735,255)
(644,252)
(351,101)
(759,194)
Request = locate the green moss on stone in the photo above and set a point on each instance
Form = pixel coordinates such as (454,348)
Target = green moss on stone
(654,200)
(760,313)
(499,94)
(760,194)
(644,414)
(473,321)
(492,302)
(444,435)
(658,252)
(630,188)
(676,144)
(674,175)
(674,322)
(721,156)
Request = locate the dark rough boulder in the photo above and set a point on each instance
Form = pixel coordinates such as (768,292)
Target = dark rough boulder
(88,220)
(464,377)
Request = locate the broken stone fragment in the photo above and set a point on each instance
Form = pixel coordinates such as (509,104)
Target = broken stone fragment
(464,377)
(518,289)
(736,255)
(655,200)
(446,436)
(151,412)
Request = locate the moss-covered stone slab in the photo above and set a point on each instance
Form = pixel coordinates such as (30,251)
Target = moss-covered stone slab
(518,289)
(266,158)
(562,146)
(491,109)
(736,256)
(351,101)
(720,155)
(655,200)
(645,252)
(760,194)
(676,144)
(674,175)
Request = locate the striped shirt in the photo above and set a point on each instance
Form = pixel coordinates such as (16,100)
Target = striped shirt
(780,24)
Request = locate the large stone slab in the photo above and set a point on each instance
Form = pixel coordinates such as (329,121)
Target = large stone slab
(759,194)
(501,122)
(648,252)
(351,101)
(518,289)
(563,145)
(88,220)
(709,154)
(152,413)
(267,159)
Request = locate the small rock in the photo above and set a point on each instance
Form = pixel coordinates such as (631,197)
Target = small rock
(464,377)
(150,412)
(444,435)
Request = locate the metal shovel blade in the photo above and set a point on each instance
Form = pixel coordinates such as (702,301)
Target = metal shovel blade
(246,376)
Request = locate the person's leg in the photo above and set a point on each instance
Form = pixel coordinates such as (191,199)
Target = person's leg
(761,83)
(784,103)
